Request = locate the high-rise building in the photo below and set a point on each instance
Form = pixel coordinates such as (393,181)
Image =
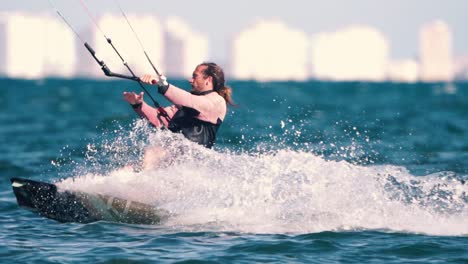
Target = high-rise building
(461,68)
(403,71)
(270,50)
(435,47)
(148,30)
(35,46)
(185,48)
(354,53)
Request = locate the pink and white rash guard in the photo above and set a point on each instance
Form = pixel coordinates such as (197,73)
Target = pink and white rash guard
(197,115)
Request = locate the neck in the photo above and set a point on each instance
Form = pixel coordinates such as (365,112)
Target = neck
(207,88)
(204,89)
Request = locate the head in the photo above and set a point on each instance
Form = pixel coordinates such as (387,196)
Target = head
(209,76)
(200,81)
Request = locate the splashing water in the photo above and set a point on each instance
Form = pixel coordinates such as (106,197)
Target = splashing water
(282,191)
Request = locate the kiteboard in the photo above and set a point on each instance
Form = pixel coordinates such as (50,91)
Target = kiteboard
(81,207)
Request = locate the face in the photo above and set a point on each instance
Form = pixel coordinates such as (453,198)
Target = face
(198,81)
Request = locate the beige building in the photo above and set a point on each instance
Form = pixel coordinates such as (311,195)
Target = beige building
(148,29)
(353,53)
(270,50)
(35,46)
(403,71)
(184,48)
(435,46)
(461,68)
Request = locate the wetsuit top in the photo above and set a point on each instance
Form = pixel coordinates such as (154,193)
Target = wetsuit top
(197,115)
(185,120)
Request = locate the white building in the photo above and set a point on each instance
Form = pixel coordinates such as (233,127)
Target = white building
(35,46)
(115,27)
(353,53)
(270,50)
(435,46)
(403,71)
(461,68)
(185,48)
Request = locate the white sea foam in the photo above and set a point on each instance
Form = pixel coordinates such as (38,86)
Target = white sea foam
(282,192)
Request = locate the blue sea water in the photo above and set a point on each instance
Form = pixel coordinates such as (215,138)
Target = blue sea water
(302,172)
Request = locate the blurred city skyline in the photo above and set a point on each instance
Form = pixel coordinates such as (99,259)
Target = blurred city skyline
(265,49)
(399,20)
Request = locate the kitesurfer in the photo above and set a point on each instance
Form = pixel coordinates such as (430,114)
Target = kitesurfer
(197,114)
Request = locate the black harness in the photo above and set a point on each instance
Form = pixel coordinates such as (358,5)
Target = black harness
(194,129)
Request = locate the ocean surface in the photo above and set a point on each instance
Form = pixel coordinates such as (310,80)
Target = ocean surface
(302,172)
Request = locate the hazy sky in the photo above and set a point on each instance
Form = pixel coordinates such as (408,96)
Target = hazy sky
(399,20)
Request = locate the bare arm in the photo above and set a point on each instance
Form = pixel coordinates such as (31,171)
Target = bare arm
(181,97)
(146,111)
(211,106)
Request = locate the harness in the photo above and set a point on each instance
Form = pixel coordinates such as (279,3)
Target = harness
(194,129)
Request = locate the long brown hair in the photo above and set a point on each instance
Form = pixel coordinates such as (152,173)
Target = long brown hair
(219,83)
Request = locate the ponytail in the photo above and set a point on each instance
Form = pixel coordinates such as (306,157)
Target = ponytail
(226,93)
(214,71)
